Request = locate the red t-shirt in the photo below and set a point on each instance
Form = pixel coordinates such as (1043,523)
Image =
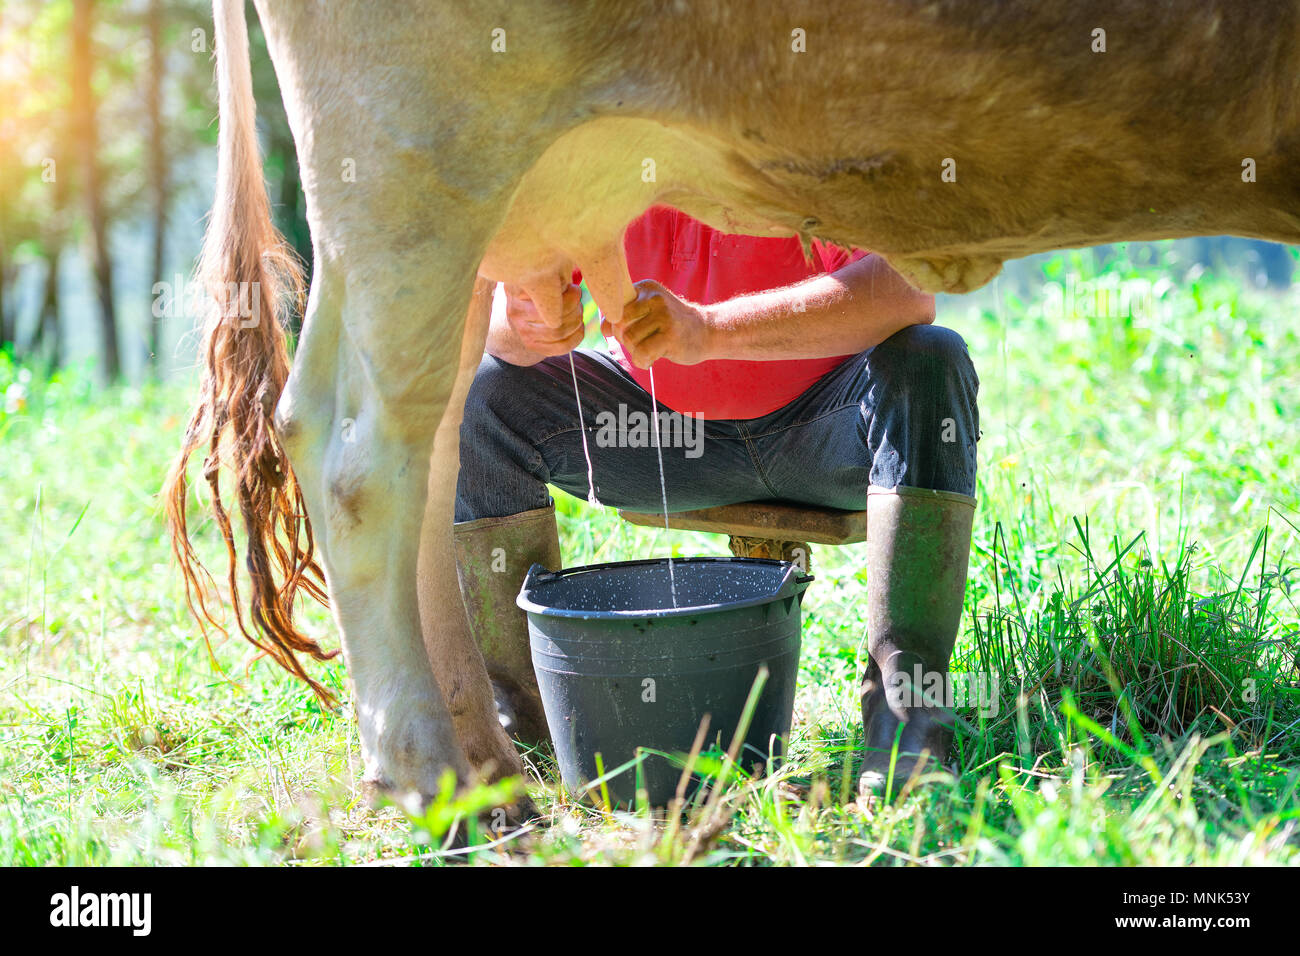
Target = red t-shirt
(703,265)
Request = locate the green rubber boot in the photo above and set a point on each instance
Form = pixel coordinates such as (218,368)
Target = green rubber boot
(918,548)
(493,556)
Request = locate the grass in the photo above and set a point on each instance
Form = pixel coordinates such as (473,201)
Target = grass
(1131,613)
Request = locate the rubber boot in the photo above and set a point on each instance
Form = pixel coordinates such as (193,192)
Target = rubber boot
(493,556)
(918,547)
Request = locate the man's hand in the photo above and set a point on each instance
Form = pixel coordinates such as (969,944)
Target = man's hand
(539,337)
(657,324)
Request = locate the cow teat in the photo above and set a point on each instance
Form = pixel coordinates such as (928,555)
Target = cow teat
(608,279)
(951,275)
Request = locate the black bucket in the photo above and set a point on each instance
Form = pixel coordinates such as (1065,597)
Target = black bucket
(621,668)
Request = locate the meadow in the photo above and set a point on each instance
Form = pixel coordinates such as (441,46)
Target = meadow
(1132,602)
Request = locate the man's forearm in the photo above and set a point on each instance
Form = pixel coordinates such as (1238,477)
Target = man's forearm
(852,309)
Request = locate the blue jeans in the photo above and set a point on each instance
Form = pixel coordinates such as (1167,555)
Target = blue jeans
(902,413)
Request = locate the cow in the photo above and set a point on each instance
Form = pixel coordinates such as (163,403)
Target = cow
(445,147)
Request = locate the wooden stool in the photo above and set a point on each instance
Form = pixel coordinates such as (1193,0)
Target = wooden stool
(767,529)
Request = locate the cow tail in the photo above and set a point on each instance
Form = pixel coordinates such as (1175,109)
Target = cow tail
(250,275)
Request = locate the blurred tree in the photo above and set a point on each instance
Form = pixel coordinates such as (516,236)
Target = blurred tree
(48,337)
(10,176)
(84,110)
(157,169)
(33,134)
(7,314)
(288,205)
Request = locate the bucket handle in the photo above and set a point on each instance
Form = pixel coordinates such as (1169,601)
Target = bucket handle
(793,583)
(537,574)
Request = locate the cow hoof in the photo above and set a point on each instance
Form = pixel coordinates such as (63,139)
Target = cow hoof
(492,754)
(377,794)
(522,812)
(520,713)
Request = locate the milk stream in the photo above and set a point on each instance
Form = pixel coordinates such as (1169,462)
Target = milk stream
(663,486)
(582,428)
(591,480)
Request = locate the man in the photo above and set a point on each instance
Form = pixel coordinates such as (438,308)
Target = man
(821,383)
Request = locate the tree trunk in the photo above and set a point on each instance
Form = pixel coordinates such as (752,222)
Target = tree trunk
(48,331)
(7,323)
(47,337)
(157,173)
(83,108)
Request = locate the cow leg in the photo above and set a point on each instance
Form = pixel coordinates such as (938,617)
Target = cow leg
(373,378)
(454,654)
